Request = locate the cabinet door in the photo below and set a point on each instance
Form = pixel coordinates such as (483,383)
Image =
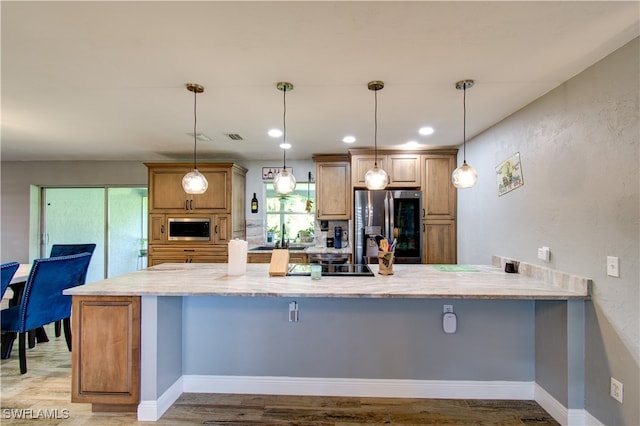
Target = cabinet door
(439,193)
(106,352)
(403,170)
(439,241)
(217,198)
(221,229)
(165,189)
(333,190)
(157,229)
(360,164)
(166,192)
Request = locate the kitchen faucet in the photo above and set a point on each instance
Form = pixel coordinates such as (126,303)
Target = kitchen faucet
(284,243)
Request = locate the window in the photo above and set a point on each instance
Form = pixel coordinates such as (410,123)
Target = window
(290,211)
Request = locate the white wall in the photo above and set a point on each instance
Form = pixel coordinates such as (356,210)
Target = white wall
(579,151)
(16,195)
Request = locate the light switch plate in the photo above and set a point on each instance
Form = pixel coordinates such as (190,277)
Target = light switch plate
(613,266)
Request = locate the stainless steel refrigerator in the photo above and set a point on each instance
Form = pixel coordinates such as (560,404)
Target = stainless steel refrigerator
(389,214)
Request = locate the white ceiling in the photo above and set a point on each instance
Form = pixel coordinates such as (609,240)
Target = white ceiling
(106,80)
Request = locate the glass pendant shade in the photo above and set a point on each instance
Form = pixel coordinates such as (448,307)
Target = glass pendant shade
(284,182)
(464,176)
(376,178)
(194,182)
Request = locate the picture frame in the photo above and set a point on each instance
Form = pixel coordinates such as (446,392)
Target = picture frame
(509,174)
(268,173)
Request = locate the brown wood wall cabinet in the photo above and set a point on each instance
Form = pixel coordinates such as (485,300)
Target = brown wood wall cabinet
(403,169)
(106,352)
(223,204)
(333,187)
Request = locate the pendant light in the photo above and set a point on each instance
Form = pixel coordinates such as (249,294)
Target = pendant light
(194,182)
(464,176)
(284,182)
(375,178)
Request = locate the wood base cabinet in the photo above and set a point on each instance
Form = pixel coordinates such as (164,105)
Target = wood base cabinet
(294,257)
(106,352)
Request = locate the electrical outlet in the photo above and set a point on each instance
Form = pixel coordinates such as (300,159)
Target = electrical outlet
(613,266)
(543,253)
(616,390)
(293,312)
(447,308)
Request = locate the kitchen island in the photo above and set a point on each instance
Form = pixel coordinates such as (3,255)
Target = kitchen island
(180,328)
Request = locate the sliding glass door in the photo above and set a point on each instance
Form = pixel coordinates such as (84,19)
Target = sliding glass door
(115,219)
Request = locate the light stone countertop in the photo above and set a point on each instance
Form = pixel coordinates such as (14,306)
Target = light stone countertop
(408,281)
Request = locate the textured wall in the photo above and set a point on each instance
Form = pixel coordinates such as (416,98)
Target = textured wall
(579,148)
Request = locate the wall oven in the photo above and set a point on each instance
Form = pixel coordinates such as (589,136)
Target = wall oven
(189,229)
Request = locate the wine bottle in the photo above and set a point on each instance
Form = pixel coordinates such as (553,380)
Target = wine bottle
(254,204)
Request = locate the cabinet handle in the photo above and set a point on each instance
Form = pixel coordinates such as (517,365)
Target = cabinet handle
(190,250)
(162,229)
(423,212)
(190,204)
(423,228)
(186,204)
(215,229)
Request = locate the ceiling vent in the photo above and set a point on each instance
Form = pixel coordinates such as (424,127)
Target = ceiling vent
(234,136)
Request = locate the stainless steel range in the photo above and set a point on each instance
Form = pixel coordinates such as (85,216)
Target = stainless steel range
(332,270)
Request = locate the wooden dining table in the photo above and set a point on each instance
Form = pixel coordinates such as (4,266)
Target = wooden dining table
(17,287)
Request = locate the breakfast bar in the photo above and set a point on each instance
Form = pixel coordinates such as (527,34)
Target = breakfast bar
(144,338)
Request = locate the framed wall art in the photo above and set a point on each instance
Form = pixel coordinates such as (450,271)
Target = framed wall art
(509,174)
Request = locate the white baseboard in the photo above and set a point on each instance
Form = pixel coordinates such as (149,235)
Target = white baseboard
(589,420)
(359,387)
(564,416)
(152,410)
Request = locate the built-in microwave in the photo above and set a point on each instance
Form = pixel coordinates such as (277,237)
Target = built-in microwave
(189,229)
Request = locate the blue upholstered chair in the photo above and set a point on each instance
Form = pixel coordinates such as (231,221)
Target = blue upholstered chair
(42,301)
(8,270)
(66,250)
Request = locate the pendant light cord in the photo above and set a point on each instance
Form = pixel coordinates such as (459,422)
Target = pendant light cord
(284,126)
(464,124)
(375,129)
(195,122)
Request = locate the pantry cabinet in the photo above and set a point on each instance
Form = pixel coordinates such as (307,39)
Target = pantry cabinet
(439,207)
(222,206)
(333,188)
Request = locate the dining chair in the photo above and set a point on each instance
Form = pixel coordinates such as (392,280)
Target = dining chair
(8,270)
(42,301)
(65,250)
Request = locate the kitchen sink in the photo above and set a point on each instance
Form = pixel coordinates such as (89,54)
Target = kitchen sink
(263,248)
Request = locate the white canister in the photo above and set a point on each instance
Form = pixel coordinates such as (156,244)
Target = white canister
(237,264)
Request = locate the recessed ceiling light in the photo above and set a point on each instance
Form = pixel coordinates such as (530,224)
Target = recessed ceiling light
(349,139)
(275,133)
(411,144)
(285,145)
(426,130)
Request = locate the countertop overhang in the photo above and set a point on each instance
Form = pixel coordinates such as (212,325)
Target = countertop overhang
(408,281)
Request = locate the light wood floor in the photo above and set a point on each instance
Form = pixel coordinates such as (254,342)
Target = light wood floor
(45,392)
